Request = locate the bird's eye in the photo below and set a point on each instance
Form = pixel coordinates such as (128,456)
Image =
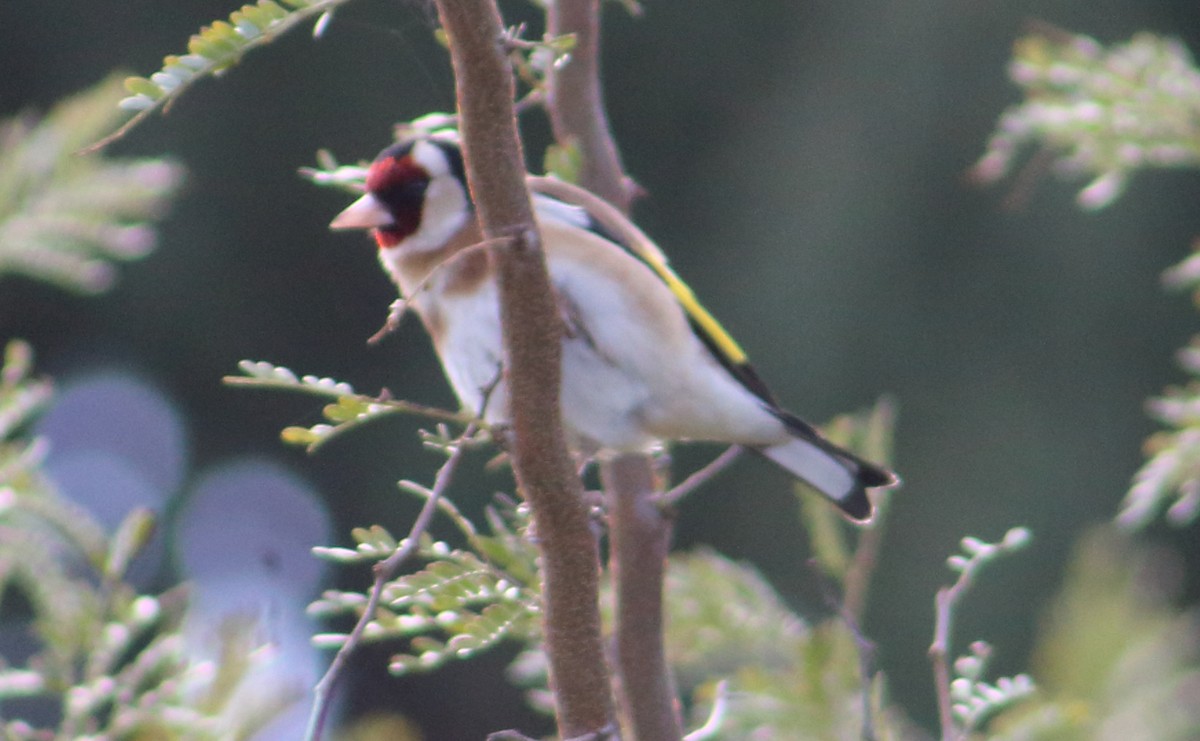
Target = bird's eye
(404,194)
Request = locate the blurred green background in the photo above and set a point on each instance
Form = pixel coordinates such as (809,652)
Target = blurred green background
(805,169)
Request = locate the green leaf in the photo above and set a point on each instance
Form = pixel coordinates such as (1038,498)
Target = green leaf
(782,677)
(563,161)
(1170,478)
(460,603)
(349,410)
(213,50)
(142,86)
(302,436)
(723,615)
(131,537)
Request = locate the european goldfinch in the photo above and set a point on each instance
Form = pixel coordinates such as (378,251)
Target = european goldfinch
(643,362)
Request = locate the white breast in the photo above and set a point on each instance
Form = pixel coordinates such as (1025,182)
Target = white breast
(599,400)
(471,348)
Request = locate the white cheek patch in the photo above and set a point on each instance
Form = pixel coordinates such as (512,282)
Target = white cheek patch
(446,206)
(445,212)
(431,158)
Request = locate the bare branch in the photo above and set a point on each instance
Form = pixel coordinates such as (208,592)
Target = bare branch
(577,102)
(939,654)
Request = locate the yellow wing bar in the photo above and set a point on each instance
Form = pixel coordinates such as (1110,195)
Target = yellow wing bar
(647,251)
(707,323)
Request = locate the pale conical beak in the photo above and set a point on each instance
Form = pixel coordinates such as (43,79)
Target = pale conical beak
(367,212)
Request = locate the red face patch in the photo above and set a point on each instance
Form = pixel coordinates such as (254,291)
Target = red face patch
(388,172)
(399,183)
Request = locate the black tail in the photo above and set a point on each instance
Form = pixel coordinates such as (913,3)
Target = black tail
(837,473)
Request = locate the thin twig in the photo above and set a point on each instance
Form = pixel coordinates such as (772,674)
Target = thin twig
(979,553)
(608,733)
(394,406)
(701,476)
(384,571)
(864,646)
(401,306)
(213,67)
(508,735)
(939,652)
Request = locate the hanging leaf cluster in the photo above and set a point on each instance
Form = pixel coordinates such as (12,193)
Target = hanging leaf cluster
(1102,111)
(64,218)
(1170,478)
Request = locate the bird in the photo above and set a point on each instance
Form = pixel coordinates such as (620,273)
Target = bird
(643,363)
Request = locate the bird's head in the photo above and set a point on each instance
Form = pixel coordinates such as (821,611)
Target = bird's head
(416,197)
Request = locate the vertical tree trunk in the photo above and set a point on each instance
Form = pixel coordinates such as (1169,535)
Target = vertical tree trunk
(639,533)
(532,342)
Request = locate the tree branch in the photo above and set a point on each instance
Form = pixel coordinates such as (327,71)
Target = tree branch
(639,540)
(576,102)
(639,532)
(532,335)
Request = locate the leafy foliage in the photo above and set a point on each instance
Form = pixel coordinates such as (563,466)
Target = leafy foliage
(463,601)
(1103,112)
(113,661)
(966,699)
(974,698)
(216,48)
(735,643)
(533,60)
(328,173)
(66,218)
(1107,112)
(347,411)
(1116,659)
(1173,469)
